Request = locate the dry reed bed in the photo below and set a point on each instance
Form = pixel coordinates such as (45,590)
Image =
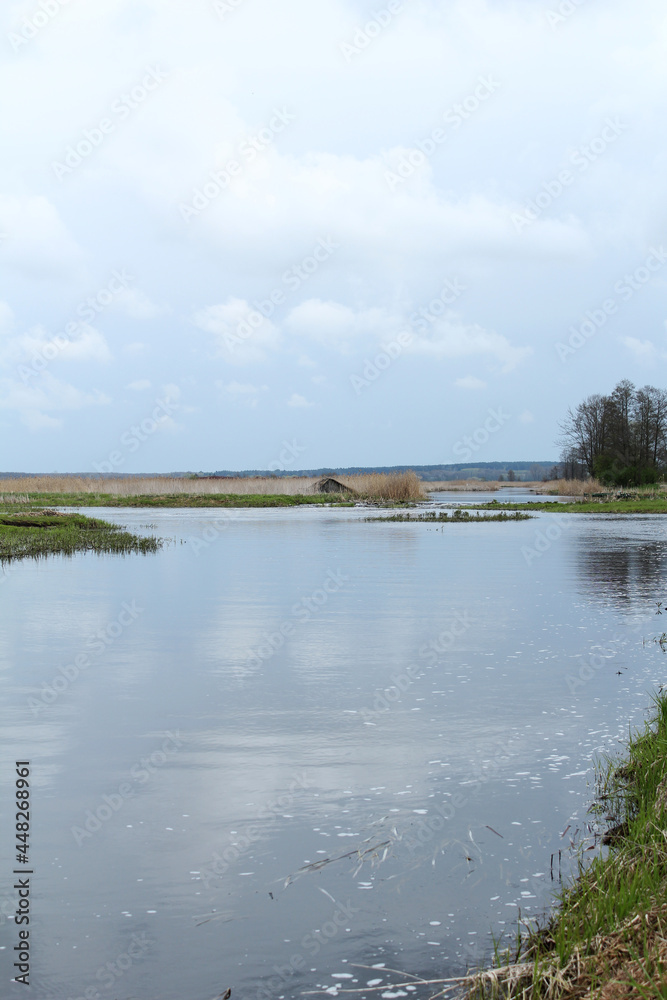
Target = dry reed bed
(571,487)
(393,486)
(475,485)
(562,487)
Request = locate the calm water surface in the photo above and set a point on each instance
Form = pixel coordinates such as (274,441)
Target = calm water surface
(305,743)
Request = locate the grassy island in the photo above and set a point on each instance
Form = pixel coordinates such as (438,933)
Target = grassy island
(641,505)
(30,533)
(459,516)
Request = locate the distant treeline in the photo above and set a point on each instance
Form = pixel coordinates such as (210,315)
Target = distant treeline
(521,471)
(526,471)
(621,439)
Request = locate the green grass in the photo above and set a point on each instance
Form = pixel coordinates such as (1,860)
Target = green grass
(611,922)
(459,516)
(656,505)
(34,534)
(183,500)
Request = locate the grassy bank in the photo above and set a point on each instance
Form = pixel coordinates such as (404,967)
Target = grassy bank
(177,500)
(459,516)
(36,534)
(608,938)
(648,505)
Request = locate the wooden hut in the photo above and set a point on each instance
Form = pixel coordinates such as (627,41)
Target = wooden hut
(330,485)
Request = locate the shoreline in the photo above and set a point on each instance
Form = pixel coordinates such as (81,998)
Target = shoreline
(30,501)
(608,936)
(172,500)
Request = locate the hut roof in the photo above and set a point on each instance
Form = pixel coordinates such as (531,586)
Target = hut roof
(330,485)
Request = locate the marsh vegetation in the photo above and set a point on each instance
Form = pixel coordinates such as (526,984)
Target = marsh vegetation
(176,491)
(37,534)
(458,516)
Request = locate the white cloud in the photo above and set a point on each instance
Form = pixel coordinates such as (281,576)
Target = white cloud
(340,328)
(453,339)
(36,349)
(36,240)
(36,402)
(470,382)
(139,385)
(6,318)
(241,335)
(137,304)
(242,393)
(337,326)
(526,417)
(643,350)
(298,402)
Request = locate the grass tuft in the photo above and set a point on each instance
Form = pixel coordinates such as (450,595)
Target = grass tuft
(459,516)
(37,534)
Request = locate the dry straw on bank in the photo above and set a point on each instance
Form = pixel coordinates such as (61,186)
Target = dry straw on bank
(390,486)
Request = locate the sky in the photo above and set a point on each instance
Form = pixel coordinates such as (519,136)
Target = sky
(241,234)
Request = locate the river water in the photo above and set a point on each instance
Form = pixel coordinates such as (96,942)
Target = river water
(300,749)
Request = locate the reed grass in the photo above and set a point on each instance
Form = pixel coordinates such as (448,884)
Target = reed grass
(130,486)
(399,487)
(396,487)
(474,485)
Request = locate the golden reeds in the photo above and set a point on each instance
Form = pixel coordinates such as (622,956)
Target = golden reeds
(383,486)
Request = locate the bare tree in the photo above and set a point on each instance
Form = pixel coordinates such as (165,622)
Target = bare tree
(584,430)
(621,437)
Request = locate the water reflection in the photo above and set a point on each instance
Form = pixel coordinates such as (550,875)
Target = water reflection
(623,565)
(380,709)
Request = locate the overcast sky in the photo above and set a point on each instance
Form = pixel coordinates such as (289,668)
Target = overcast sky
(249,234)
